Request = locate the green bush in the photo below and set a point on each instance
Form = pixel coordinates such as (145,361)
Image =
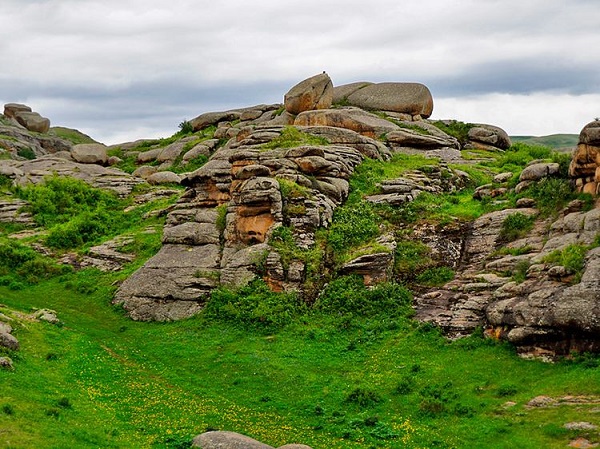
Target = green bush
(551,194)
(435,277)
(254,306)
(348,295)
(19,262)
(352,225)
(74,212)
(457,129)
(516,226)
(362,397)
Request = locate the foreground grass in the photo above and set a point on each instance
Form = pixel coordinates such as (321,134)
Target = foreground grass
(322,380)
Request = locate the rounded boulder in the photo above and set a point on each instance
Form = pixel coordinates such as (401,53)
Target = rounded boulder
(408,98)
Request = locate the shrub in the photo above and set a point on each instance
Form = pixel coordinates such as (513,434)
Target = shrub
(551,194)
(457,129)
(8,409)
(515,226)
(571,257)
(435,277)
(185,127)
(363,398)
(352,225)
(347,295)
(254,306)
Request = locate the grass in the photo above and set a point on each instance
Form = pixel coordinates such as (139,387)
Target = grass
(323,379)
(292,137)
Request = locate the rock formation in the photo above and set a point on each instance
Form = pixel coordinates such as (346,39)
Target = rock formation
(220,231)
(584,168)
(25,117)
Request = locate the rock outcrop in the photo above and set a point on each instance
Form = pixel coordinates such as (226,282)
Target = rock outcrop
(220,232)
(585,165)
(25,117)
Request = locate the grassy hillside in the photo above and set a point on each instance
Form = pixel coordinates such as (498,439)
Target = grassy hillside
(555,141)
(354,370)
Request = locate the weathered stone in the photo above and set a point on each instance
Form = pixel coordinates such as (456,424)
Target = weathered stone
(490,135)
(33,121)
(164,177)
(502,177)
(406,137)
(9,341)
(315,92)
(199,150)
(34,171)
(90,153)
(6,363)
(540,170)
(47,315)
(144,171)
(191,233)
(341,93)
(144,157)
(410,98)
(12,109)
(227,440)
(348,118)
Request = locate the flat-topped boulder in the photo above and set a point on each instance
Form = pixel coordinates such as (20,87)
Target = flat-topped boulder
(408,98)
(90,153)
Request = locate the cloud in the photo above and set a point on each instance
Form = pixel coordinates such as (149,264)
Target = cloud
(109,62)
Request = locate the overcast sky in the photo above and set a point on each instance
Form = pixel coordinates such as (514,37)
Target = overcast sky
(126,69)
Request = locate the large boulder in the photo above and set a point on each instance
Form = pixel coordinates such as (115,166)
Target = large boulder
(485,136)
(408,98)
(33,121)
(315,92)
(89,153)
(341,93)
(12,109)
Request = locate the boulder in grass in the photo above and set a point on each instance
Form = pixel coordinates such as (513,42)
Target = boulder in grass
(227,440)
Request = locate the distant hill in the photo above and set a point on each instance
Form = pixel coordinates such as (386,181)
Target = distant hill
(556,141)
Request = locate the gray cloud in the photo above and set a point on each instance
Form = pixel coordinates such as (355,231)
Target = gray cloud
(111,65)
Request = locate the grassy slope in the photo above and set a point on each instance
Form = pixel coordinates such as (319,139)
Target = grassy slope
(156,385)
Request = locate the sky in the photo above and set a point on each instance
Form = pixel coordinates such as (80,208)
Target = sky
(120,70)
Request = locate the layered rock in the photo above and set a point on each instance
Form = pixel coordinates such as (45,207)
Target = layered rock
(584,168)
(219,231)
